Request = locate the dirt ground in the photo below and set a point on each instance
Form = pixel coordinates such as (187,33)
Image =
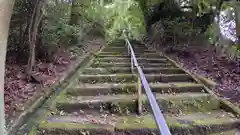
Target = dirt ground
(18,91)
(203,59)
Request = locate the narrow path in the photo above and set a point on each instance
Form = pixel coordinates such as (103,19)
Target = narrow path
(102,100)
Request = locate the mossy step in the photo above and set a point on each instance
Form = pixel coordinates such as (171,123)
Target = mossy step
(228,132)
(128,70)
(135,125)
(111,49)
(117,88)
(128,60)
(112,56)
(112,59)
(123,78)
(107,64)
(116,78)
(122,64)
(169,78)
(109,70)
(125,104)
(126,53)
(128,56)
(117,43)
(124,44)
(139,59)
(163,70)
(139,53)
(177,87)
(103,89)
(124,47)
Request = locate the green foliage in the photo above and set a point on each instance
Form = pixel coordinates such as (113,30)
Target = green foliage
(53,32)
(211,33)
(178,29)
(96,16)
(125,15)
(227,5)
(116,16)
(57,29)
(234,51)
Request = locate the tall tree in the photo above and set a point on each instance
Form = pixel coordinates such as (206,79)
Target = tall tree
(36,18)
(237,19)
(76,14)
(77,11)
(6,7)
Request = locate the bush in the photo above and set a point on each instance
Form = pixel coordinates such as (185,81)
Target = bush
(211,33)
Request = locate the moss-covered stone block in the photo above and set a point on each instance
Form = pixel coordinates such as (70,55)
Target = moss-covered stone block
(108,64)
(96,92)
(122,104)
(116,78)
(188,103)
(109,70)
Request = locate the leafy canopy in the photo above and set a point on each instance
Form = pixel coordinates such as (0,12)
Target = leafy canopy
(116,16)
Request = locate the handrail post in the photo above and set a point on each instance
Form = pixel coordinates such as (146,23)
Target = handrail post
(139,89)
(127,47)
(132,68)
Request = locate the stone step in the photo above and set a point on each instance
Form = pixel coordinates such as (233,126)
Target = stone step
(126,53)
(128,78)
(149,60)
(128,70)
(125,104)
(121,49)
(107,78)
(131,88)
(123,64)
(104,124)
(227,132)
(146,55)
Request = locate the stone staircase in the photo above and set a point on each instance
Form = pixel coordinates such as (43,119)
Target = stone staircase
(103,99)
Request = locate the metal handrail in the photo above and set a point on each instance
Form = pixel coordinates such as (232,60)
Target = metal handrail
(158,116)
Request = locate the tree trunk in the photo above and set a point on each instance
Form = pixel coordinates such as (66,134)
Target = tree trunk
(76,17)
(237,19)
(76,11)
(33,31)
(217,14)
(6,7)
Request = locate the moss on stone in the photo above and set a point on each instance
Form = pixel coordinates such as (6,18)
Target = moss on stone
(33,131)
(101,71)
(129,89)
(132,123)
(135,122)
(102,103)
(211,121)
(48,125)
(187,104)
(127,60)
(117,78)
(175,104)
(109,64)
(230,132)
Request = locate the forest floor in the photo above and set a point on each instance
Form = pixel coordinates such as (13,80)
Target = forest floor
(206,62)
(203,59)
(18,91)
